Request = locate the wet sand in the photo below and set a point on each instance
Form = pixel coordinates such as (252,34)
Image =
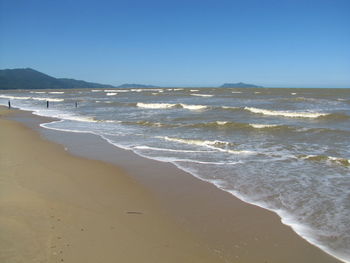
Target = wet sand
(132,210)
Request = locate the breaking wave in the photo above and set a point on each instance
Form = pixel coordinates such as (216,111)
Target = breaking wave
(221,146)
(169,106)
(325,158)
(291,114)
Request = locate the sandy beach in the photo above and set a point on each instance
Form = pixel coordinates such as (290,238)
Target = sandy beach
(58,207)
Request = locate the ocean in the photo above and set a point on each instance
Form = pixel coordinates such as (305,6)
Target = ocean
(286,150)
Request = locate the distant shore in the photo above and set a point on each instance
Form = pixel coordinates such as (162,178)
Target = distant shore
(57,207)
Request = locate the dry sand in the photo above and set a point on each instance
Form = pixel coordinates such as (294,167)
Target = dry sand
(55,206)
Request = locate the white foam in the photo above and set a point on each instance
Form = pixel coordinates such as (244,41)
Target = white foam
(122,90)
(193,107)
(47,99)
(286,113)
(236,92)
(257,92)
(143,147)
(14,97)
(169,106)
(111,93)
(293,93)
(148,89)
(96,90)
(202,95)
(38,92)
(331,159)
(155,105)
(110,90)
(221,122)
(56,92)
(194,90)
(206,143)
(262,126)
(64,116)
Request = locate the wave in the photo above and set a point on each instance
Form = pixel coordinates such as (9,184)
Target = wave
(96,90)
(194,107)
(122,90)
(325,158)
(236,125)
(148,123)
(111,93)
(47,99)
(169,106)
(110,90)
(291,114)
(143,147)
(262,126)
(28,98)
(14,97)
(155,105)
(38,92)
(56,92)
(140,90)
(221,146)
(202,95)
(229,108)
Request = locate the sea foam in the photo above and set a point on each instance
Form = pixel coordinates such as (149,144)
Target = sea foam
(291,114)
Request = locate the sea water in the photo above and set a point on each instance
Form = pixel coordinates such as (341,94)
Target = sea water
(287,150)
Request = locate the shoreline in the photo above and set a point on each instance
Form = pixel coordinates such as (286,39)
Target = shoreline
(203,207)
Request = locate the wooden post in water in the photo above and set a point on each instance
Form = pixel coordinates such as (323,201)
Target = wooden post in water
(9,104)
(76,104)
(47,104)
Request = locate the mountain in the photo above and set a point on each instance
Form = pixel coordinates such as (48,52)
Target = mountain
(28,78)
(80,84)
(239,85)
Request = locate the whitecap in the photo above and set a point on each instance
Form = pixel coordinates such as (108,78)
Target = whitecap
(47,99)
(292,114)
(155,105)
(262,126)
(14,97)
(214,145)
(193,107)
(202,95)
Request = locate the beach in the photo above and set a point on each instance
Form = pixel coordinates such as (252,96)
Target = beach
(56,206)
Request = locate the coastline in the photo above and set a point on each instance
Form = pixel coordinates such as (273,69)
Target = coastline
(226,227)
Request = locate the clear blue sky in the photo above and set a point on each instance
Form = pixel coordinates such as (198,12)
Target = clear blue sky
(300,43)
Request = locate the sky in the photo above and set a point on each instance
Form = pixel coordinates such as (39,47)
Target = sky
(274,43)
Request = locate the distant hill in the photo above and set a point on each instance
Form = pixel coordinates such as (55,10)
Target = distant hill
(28,78)
(80,84)
(239,85)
